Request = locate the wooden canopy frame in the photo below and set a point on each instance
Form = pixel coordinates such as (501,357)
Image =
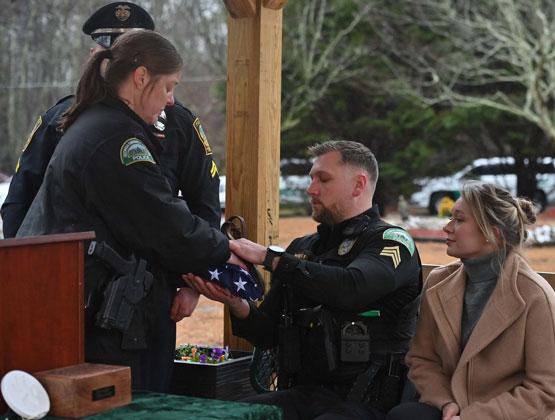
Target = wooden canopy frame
(253,121)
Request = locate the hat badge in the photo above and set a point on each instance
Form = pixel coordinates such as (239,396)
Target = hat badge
(123,12)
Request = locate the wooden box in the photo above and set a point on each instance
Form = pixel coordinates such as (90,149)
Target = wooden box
(86,389)
(227,380)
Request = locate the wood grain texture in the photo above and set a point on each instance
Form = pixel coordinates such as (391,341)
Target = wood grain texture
(41,302)
(73,389)
(274,4)
(241,8)
(253,128)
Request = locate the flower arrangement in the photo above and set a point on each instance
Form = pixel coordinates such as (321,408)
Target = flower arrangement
(198,354)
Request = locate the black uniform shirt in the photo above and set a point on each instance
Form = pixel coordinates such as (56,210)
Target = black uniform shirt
(383,275)
(103,176)
(186,161)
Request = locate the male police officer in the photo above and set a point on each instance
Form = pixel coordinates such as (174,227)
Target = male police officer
(185,160)
(342,304)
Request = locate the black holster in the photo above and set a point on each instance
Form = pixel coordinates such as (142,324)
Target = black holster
(122,306)
(318,331)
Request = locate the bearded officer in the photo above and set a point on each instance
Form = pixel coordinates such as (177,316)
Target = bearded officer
(342,304)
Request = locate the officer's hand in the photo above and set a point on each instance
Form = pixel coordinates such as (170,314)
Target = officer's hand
(184,303)
(451,411)
(237,306)
(234,259)
(248,250)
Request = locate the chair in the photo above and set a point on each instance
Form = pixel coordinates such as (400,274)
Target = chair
(263,370)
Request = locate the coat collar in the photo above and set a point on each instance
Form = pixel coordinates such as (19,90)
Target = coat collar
(150,139)
(503,308)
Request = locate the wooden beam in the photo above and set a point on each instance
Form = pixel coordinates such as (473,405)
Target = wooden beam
(274,4)
(253,128)
(241,8)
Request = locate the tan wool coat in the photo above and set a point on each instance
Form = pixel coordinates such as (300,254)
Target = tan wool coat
(507,369)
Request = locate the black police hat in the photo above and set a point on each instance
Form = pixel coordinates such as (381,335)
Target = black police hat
(110,21)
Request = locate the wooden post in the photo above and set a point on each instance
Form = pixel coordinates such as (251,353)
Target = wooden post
(253,123)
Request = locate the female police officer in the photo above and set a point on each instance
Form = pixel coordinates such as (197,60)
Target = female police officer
(104,176)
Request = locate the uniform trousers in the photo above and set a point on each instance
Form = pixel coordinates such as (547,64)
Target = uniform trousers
(151,368)
(306,402)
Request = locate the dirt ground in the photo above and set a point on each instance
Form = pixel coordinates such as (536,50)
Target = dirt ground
(206,324)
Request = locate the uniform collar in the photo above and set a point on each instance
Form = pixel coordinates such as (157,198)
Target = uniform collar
(118,104)
(333,234)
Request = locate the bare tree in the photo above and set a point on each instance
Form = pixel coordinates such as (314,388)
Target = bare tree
(493,53)
(44,50)
(318,51)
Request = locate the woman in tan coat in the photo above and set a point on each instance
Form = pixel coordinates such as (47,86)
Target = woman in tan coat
(485,342)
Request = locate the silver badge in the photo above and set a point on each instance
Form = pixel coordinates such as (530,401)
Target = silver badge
(160,123)
(346,246)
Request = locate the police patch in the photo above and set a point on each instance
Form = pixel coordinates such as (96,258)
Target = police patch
(28,141)
(401,236)
(202,136)
(134,150)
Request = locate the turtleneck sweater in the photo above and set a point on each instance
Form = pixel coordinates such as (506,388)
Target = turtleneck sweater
(481,278)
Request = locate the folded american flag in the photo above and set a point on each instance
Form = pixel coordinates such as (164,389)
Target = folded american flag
(236,279)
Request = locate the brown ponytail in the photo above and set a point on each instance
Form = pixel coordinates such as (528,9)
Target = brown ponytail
(135,48)
(90,89)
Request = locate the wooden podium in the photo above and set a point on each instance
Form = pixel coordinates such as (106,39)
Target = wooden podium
(41,302)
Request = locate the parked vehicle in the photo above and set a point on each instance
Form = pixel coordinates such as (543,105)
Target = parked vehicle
(292,192)
(496,170)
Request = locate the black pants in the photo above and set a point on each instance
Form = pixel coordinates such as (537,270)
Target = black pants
(316,402)
(414,411)
(151,368)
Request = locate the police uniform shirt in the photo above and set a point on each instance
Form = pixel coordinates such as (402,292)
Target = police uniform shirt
(383,275)
(103,176)
(185,159)
(31,166)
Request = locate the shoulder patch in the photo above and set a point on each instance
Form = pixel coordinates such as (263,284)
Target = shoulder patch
(214,169)
(202,136)
(29,139)
(134,150)
(401,236)
(393,253)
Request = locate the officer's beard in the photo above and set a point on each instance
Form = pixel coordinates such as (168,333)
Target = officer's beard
(328,216)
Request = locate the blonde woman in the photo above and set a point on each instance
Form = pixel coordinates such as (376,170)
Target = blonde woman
(485,342)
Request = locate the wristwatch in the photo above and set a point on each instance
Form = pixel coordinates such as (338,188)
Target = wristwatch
(272,252)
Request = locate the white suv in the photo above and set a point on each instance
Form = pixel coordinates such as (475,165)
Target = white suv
(496,170)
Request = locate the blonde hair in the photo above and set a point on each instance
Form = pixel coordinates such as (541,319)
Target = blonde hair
(494,207)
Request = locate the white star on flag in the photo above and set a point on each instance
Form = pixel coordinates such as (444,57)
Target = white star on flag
(240,284)
(214,275)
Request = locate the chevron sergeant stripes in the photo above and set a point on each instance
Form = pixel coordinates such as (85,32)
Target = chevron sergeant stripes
(392,252)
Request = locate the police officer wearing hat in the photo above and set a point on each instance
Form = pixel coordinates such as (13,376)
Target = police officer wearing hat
(342,304)
(185,160)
